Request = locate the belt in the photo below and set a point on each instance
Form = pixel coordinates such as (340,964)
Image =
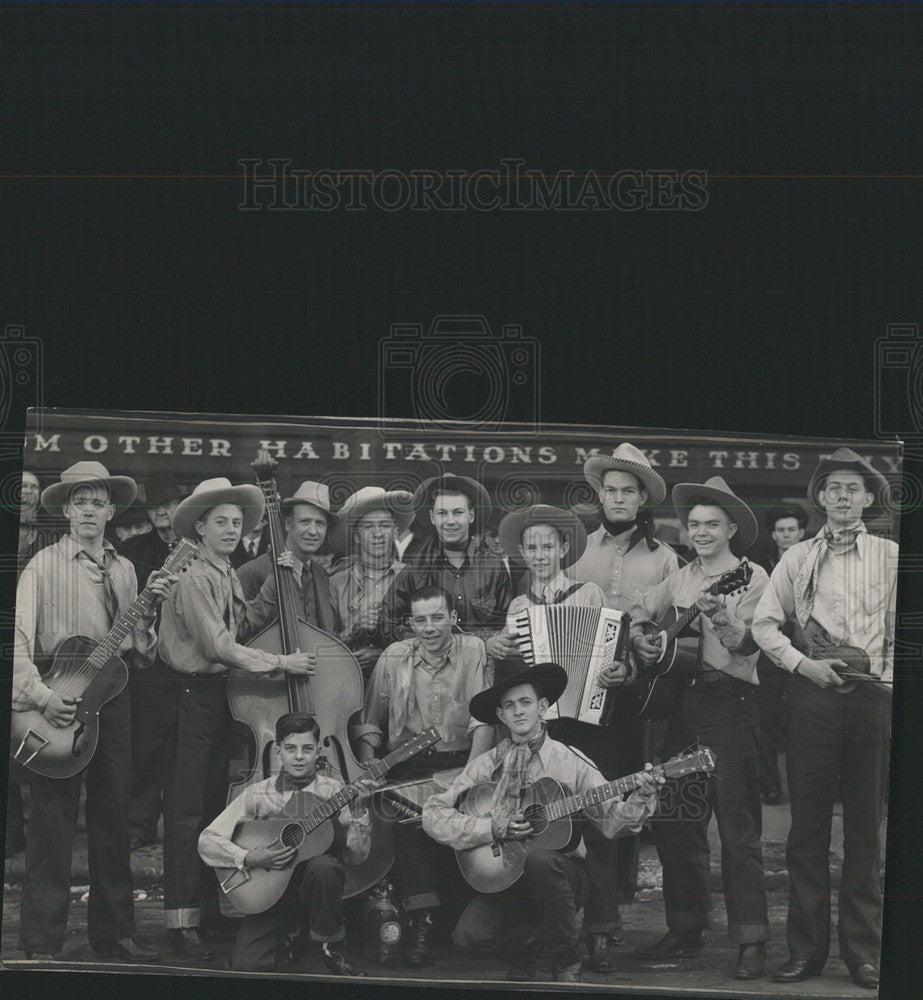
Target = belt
(201,677)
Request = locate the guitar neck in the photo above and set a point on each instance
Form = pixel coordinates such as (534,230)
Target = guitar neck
(684,620)
(574,803)
(138,608)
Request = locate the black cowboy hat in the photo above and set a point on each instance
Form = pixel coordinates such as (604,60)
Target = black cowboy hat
(550,680)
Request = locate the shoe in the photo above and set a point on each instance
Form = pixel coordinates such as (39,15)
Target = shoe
(795,970)
(222,928)
(751,961)
(419,929)
(523,969)
(127,950)
(336,961)
(187,943)
(600,959)
(566,973)
(674,945)
(42,956)
(865,976)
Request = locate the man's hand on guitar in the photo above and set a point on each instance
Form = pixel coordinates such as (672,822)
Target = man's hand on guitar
(303,664)
(273,855)
(60,710)
(366,788)
(821,672)
(519,828)
(647,649)
(160,584)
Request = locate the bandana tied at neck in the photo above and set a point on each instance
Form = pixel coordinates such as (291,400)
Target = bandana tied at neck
(508,793)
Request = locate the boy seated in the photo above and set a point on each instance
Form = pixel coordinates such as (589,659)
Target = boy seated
(314,896)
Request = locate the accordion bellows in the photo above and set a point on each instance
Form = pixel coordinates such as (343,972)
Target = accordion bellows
(584,641)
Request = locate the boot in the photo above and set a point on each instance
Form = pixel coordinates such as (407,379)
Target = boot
(419,931)
(600,959)
(336,961)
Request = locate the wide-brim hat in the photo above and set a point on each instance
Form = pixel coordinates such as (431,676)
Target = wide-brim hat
(846,458)
(399,503)
(160,490)
(480,499)
(627,458)
(549,678)
(568,526)
(716,491)
(134,513)
(212,492)
(317,495)
(122,489)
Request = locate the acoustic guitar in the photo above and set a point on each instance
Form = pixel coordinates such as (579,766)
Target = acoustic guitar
(91,671)
(656,685)
(305,823)
(548,806)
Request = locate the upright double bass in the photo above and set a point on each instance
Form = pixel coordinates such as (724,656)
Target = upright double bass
(333,695)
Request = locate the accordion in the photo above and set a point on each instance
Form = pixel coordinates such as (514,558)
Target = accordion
(585,641)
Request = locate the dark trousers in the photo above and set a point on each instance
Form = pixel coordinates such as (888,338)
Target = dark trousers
(834,736)
(723,716)
(195,791)
(153,716)
(53,819)
(611,865)
(314,896)
(772,707)
(424,870)
(15,819)
(546,899)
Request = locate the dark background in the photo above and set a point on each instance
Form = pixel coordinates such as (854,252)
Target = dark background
(124,254)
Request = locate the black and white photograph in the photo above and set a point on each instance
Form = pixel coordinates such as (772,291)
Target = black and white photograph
(461,490)
(472,704)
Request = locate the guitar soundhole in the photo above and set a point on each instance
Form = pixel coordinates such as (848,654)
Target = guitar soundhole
(292,835)
(535,814)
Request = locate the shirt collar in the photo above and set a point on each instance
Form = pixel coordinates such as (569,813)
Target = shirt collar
(559,582)
(433,662)
(73,548)
(355,567)
(219,562)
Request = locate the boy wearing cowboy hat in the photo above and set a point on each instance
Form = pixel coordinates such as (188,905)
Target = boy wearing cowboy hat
(306,518)
(624,559)
(78,586)
(555,884)
(550,539)
(845,580)
(198,640)
(370,520)
(719,709)
(478,581)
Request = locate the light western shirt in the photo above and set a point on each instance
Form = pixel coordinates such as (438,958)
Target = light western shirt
(443,822)
(354,592)
(411,690)
(623,566)
(854,601)
(682,589)
(266,800)
(587,596)
(62,593)
(200,619)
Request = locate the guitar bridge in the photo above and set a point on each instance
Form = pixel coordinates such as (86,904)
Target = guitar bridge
(32,744)
(235,880)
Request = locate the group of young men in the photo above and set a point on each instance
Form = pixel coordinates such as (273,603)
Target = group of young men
(433,633)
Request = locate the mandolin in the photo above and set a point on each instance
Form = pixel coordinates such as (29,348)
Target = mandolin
(306,822)
(548,806)
(93,672)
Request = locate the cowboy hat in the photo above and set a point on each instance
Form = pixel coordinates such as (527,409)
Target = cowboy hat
(315,494)
(425,494)
(716,491)
(122,489)
(212,492)
(626,458)
(846,458)
(399,503)
(568,526)
(550,680)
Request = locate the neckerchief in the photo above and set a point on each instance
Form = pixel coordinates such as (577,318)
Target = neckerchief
(805,587)
(515,759)
(286,783)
